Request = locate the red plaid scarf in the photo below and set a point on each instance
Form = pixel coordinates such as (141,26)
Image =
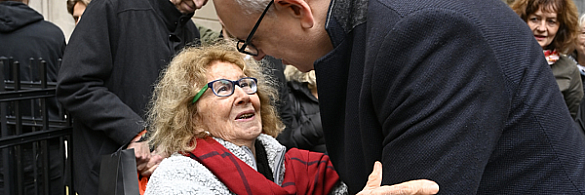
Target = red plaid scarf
(551,56)
(306,172)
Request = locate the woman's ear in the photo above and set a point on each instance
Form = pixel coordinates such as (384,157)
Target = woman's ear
(298,9)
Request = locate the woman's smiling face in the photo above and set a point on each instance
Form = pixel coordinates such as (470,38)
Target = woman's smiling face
(235,118)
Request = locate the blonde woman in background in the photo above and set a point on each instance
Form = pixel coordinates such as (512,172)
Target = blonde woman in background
(305,131)
(579,53)
(76,8)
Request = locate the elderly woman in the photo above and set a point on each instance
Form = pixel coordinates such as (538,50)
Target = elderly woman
(212,113)
(554,24)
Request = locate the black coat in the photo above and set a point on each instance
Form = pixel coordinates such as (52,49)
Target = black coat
(110,66)
(305,131)
(24,34)
(456,91)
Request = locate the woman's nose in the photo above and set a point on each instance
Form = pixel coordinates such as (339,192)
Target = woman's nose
(541,26)
(241,96)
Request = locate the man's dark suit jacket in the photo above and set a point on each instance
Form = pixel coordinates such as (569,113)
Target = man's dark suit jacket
(456,91)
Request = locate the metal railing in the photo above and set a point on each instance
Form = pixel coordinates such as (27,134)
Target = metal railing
(34,147)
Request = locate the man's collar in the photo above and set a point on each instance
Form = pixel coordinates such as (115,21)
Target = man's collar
(346,14)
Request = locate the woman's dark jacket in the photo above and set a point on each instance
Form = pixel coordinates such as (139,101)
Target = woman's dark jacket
(306,131)
(568,78)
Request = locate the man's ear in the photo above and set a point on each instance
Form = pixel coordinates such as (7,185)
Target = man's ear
(299,9)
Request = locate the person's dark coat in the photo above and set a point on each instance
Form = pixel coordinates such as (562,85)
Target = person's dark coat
(306,131)
(24,34)
(455,91)
(113,59)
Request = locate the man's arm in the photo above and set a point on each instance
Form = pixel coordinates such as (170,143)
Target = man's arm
(443,109)
(86,68)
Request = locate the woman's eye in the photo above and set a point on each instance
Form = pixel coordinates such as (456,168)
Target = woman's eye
(222,89)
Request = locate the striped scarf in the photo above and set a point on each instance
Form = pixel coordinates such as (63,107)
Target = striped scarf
(306,172)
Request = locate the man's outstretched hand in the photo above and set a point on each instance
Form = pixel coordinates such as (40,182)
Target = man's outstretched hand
(413,187)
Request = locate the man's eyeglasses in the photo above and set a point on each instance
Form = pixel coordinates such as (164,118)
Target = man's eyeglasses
(246,46)
(225,87)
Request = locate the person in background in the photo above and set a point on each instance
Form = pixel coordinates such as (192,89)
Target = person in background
(208,36)
(578,56)
(212,112)
(305,131)
(24,34)
(106,79)
(579,53)
(555,26)
(76,8)
(455,91)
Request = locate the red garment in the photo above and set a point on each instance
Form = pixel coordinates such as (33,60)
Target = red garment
(551,56)
(306,172)
(142,181)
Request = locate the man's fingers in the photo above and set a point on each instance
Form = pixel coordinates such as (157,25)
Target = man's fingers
(147,172)
(375,178)
(151,165)
(142,153)
(155,160)
(413,187)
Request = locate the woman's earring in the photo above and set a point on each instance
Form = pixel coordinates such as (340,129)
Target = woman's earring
(207,134)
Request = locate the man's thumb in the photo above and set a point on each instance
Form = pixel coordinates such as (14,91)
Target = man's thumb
(375,178)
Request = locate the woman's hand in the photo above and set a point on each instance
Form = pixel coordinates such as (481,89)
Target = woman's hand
(413,187)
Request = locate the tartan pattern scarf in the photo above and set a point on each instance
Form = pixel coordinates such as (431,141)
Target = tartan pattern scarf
(305,172)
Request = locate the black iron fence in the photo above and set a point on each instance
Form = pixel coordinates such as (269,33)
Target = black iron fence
(35,135)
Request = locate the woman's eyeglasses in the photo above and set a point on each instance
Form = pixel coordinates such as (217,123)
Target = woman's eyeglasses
(225,87)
